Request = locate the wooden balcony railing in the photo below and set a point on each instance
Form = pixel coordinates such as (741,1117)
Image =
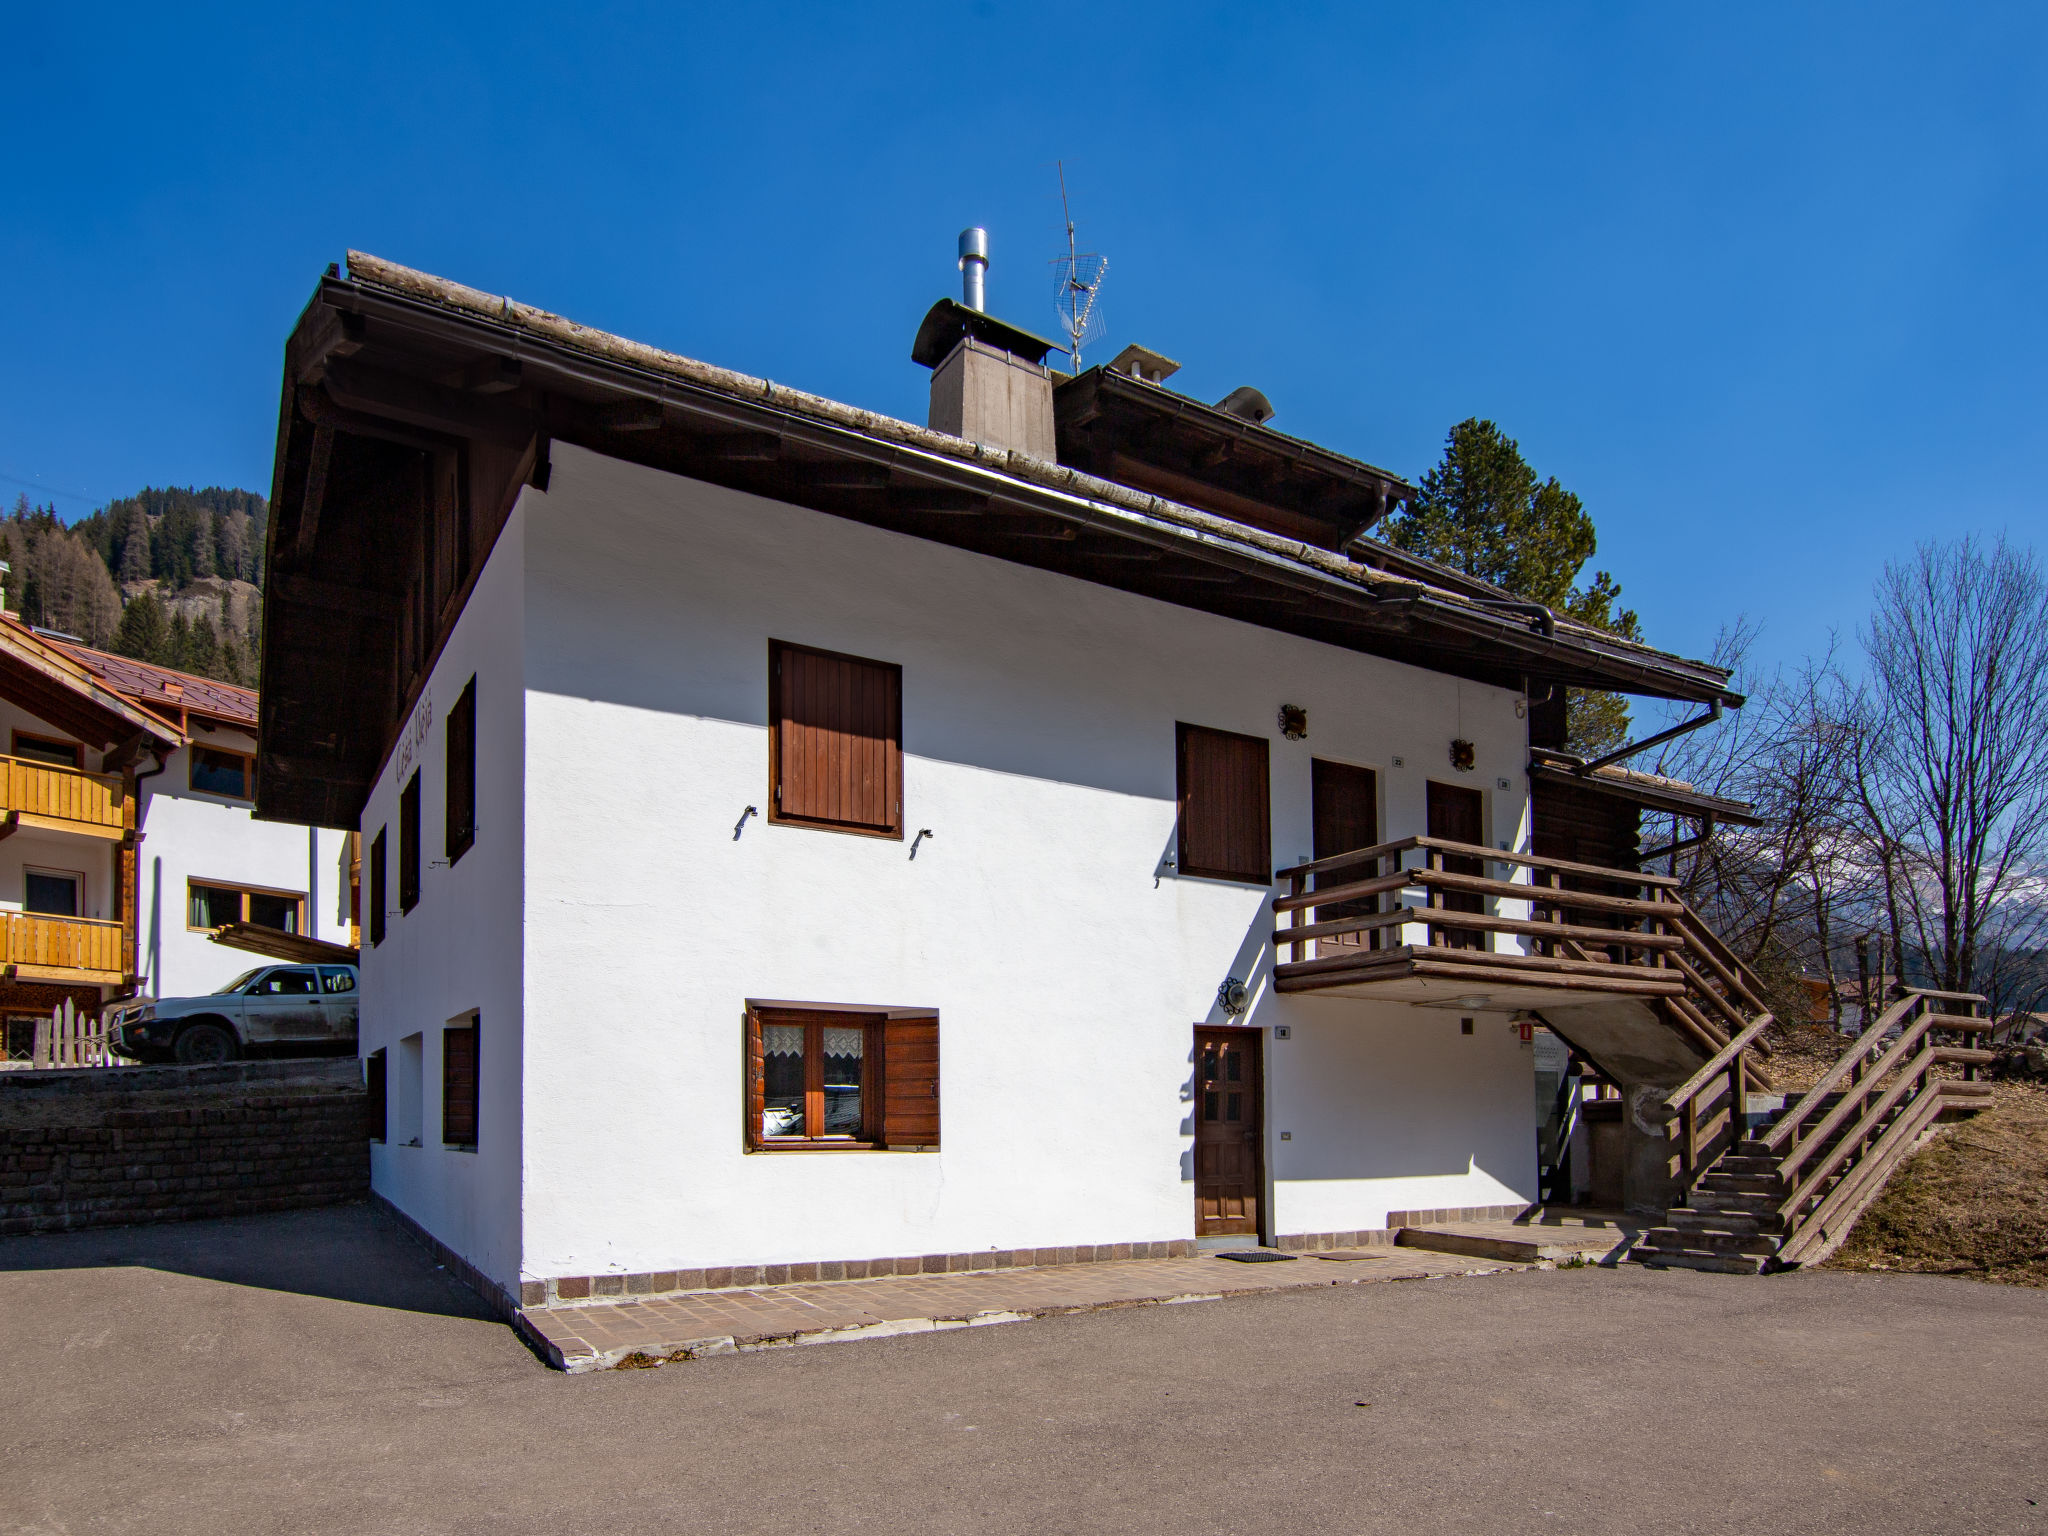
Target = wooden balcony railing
(61,799)
(1591,928)
(41,948)
(1623,913)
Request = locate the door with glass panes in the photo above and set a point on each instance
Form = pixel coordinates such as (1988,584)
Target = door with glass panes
(1229,1132)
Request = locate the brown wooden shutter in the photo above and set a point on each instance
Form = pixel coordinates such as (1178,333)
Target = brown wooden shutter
(459,1085)
(461,798)
(910,1083)
(753,1094)
(1225,831)
(836,740)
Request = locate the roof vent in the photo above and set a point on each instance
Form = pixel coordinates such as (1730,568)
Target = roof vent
(1143,363)
(1247,404)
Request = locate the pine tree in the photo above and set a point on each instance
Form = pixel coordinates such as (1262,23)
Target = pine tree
(1481,510)
(133,559)
(177,643)
(143,632)
(202,648)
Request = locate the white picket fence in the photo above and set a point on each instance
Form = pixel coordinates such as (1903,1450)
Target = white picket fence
(68,1038)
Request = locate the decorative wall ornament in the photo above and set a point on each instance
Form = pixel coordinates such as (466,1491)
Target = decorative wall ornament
(1232,997)
(1464,756)
(1293,722)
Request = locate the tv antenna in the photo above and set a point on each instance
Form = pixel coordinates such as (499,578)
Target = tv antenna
(1077,283)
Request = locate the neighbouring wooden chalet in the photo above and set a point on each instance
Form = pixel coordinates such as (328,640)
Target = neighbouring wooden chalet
(796,840)
(126,835)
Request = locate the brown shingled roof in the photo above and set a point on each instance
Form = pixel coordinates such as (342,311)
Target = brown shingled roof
(165,690)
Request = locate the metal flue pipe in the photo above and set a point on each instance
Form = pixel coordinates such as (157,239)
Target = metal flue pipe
(973,267)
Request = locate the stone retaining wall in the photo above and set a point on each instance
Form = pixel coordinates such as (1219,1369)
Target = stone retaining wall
(114,1146)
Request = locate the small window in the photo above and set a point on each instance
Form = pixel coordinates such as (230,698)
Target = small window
(411,1088)
(409,844)
(459,1085)
(829,1078)
(217,771)
(1225,806)
(337,978)
(51,892)
(53,750)
(211,903)
(835,741)
(462,774)
(378,901)
(376,1103)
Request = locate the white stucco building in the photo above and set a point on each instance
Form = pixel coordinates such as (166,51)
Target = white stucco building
(796,841)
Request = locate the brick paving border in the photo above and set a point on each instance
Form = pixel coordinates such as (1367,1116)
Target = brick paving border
(634,1331)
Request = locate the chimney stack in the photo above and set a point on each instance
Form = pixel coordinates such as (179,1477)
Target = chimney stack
(974,267)
(989,379)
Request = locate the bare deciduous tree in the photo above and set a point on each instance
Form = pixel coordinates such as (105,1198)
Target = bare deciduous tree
(1951,767)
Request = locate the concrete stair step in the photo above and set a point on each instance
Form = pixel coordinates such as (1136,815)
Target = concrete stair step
(1729,1244)
(1741,1183)
(1680,1258)
(1518,1246)
(1691,1219)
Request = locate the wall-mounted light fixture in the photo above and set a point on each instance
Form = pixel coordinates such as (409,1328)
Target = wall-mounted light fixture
(1232,997)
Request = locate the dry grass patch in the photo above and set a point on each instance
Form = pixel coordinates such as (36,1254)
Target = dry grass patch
(1973,1202)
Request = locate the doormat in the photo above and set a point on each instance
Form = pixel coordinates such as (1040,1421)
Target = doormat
(1253,1256)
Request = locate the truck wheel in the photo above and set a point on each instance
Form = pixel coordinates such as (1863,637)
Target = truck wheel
(199,1044)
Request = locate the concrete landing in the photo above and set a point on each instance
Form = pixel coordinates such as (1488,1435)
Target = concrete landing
(1542,1238)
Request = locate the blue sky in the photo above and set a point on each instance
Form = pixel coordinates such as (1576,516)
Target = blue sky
(1763,284)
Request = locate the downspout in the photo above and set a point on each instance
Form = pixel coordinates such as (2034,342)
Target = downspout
(155,981)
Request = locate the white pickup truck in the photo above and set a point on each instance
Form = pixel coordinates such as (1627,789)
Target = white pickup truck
(274,1010)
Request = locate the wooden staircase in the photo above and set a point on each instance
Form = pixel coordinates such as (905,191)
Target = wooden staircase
(1783,1189)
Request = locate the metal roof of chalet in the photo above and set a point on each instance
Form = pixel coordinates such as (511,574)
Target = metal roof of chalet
(165,690)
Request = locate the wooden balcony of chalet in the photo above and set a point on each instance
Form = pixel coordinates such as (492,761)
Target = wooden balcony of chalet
(43,797)
(82,951)
(1425,920)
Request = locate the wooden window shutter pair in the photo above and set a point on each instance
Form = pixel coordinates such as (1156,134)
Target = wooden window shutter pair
(835,741)
(788,1081)
(1225,822)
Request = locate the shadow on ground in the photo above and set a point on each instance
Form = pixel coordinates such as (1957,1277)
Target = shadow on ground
(353,1253)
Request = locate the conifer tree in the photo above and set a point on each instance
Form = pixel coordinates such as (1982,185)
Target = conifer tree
(1481,510)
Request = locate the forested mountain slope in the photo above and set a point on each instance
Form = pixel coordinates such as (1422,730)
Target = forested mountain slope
(172,576)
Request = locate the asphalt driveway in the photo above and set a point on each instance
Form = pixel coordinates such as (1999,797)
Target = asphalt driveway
(313,1372)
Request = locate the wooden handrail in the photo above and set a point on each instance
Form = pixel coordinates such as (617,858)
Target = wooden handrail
(1864,1043)
(1947,997)
(1543,895)
(1802,1143)
(1485,922)
(1716,1064)
(1873,1114)
(1330,896)
(1634,877)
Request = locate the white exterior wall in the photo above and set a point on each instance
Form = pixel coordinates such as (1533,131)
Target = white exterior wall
(188,836)
(459,950)
(1069,964)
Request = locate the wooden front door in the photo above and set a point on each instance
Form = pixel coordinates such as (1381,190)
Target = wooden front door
(1229,1132)
(1456,814)
(1347,817)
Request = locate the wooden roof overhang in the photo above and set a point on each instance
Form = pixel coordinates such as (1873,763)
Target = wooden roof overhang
(1144,435)
(54,686)
(390,373)
(1645,790)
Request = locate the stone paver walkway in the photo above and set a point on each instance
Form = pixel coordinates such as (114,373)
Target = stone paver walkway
(636,1332)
